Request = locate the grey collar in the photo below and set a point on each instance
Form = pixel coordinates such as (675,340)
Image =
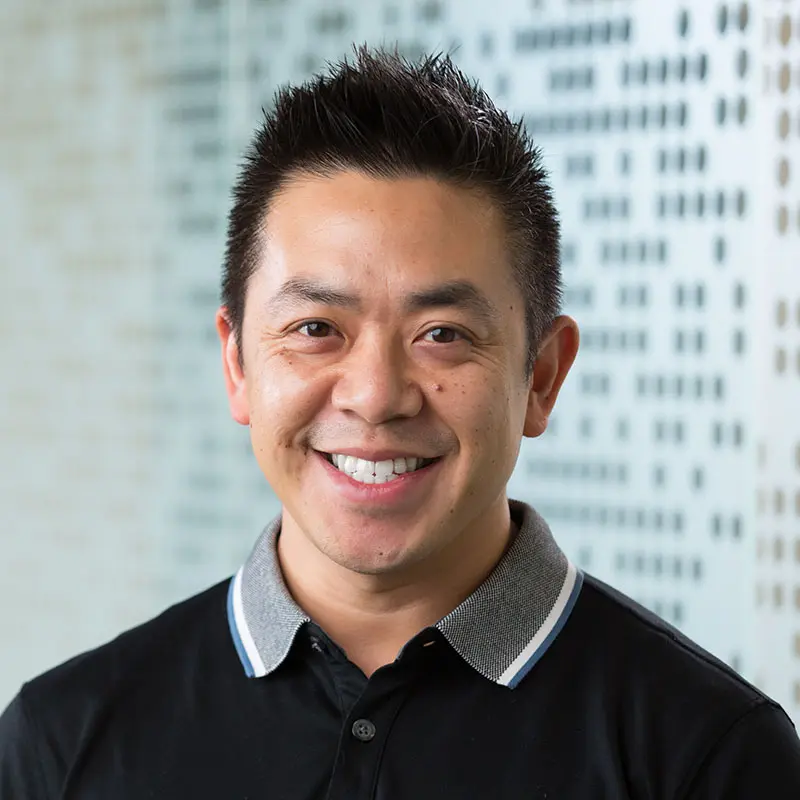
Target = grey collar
(502,629)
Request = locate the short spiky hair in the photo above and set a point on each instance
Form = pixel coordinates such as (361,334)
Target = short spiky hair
(390,118)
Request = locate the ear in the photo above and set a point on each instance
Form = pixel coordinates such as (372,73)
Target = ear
(556,355)
(235,384)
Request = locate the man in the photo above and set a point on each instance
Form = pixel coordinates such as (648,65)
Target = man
(390,331)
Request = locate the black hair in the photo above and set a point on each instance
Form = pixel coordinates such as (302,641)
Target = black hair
(390,117)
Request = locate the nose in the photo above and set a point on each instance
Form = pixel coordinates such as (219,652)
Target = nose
(375,382)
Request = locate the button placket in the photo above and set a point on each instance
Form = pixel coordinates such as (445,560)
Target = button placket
(362,744)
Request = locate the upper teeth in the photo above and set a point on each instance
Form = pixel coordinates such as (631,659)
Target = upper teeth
(380,469)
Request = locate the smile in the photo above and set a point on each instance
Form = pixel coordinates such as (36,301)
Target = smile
(376,472)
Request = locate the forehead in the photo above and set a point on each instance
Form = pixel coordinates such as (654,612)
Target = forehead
(398,226)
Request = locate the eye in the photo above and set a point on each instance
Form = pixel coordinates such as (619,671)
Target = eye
(316,329)
(443,335)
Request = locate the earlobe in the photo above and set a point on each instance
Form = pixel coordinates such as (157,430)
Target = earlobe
(235,384)
(553,361)
(535,418)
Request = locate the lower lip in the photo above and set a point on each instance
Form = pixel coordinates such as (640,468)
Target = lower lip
(401,488)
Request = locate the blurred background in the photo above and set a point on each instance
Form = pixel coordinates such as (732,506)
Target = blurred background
(672,465)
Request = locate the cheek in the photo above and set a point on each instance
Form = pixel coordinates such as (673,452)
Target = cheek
(282,403)
(501,422)
(479,413)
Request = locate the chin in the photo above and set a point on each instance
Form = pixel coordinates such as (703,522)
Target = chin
(373,560)
(373,563)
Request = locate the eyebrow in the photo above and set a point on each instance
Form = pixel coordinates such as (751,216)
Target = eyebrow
(459,294)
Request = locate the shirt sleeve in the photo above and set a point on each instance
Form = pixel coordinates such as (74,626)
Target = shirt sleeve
(759,756)
(24,766)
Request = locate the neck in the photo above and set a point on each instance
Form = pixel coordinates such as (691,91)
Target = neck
(372,616)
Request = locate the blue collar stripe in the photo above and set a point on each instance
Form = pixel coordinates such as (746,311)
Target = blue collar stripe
(548,632)
(251,658)
(237,640)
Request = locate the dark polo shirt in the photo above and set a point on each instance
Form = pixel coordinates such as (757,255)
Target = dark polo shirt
(544,683)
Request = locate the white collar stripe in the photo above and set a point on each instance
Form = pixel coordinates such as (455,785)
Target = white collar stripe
(234,630)
(546,635)
(245,637)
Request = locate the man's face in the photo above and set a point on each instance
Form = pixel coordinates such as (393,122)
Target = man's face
(383,324)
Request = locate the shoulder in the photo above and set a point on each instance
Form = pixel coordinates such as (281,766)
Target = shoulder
(648,652)
(651,662)
(54,714)
(670,710)
(159,646)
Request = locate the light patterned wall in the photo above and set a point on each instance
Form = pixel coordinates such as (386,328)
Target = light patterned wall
(79,433)
(672,131)
(777,409)
(651,467)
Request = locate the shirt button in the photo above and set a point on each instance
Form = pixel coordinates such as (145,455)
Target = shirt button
(364,730)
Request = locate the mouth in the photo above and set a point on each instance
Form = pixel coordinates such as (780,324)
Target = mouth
(377,472)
